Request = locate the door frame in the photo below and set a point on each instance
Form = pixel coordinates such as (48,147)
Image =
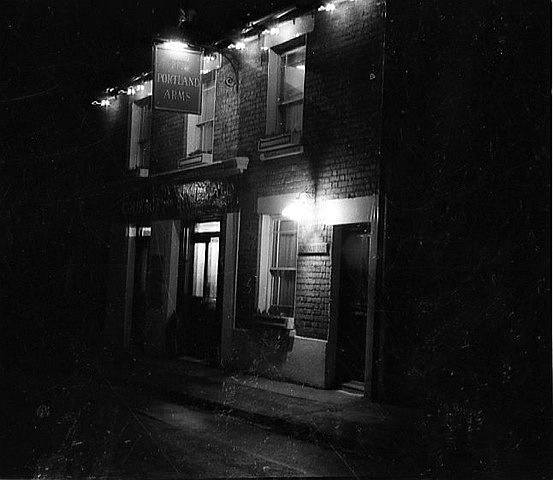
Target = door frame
(369,215)
(185,266)
(132,235)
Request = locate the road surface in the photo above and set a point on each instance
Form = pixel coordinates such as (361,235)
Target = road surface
(124,433)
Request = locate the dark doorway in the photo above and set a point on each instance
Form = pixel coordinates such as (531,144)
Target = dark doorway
(198,304)
(352,260)
(140,294)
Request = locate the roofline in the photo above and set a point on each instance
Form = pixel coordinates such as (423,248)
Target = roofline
(258,25)
(255,26)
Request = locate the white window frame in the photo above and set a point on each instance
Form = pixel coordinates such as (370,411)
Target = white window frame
(275,123)
(266,279)
(198,124)
(140,133)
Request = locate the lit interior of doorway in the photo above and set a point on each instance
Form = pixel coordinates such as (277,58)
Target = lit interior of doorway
(206,259)
(204,279)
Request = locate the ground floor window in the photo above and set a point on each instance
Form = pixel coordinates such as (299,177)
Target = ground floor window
(277,266)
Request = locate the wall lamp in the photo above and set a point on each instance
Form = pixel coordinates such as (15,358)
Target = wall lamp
(302,208)
(175,45)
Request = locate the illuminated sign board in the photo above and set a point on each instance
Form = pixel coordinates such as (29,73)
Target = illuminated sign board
(177,83)
(313,249)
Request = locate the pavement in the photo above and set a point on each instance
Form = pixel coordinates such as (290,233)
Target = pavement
(336,418)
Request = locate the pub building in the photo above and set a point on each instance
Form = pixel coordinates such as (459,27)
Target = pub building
(246,233)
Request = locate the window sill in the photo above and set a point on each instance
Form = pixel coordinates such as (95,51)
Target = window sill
(224,168)
(195,160)
(273,321)
(281,145)
(139,172)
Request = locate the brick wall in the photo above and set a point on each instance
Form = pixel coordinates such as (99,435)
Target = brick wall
(341,138)
(168,140)
(226,127)
(313,285)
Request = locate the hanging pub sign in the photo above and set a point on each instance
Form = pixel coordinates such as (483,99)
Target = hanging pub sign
(177,78)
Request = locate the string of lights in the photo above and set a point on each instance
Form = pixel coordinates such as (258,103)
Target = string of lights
(137,84)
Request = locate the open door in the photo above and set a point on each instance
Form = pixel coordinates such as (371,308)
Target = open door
(351,264)
(198,295)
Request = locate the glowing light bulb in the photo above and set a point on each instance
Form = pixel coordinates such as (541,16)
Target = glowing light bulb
(329,7)
(300,210)
(175,45)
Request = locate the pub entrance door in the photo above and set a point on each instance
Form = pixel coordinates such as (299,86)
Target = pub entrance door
(351,257)
(198,299)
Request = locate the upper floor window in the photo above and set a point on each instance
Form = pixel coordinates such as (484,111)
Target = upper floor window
(199,132)
(286,88)
(139,147)
(290,97)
